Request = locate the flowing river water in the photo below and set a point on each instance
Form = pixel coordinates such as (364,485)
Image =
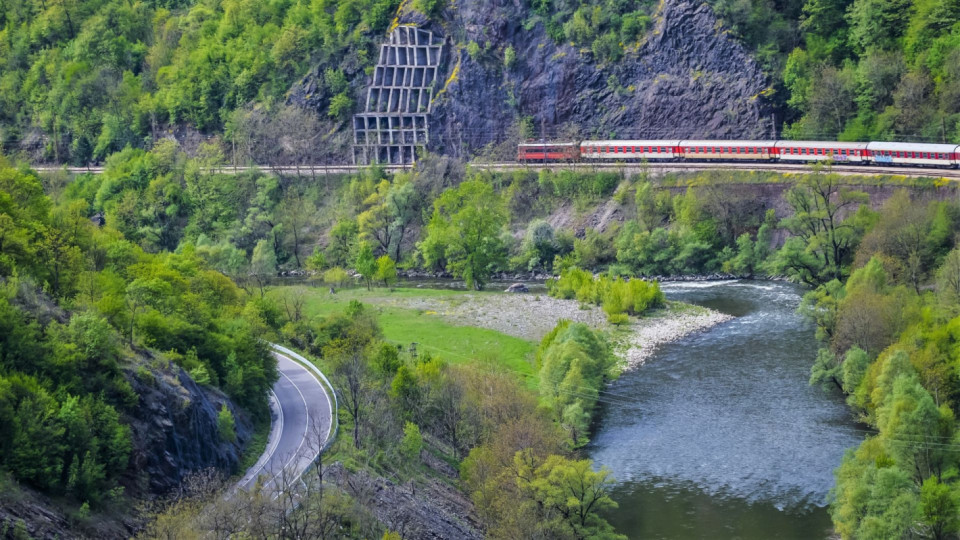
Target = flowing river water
(719,434)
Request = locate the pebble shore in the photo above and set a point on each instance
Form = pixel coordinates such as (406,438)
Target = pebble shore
(678,321)
(532,316)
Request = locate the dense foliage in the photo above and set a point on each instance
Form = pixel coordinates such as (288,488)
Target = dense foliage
(82,80)
(575,364)
(877,70)
(78,304)
(888,335)
(618,298)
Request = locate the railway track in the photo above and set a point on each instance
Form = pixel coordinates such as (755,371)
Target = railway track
(655,169)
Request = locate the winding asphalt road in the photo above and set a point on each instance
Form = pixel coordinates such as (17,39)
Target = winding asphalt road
(302,413)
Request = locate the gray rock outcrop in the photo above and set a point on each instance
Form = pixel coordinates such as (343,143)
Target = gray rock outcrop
(517,288)
(175,430)
(688,79)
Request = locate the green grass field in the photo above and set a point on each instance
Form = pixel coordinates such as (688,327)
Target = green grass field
(429,331)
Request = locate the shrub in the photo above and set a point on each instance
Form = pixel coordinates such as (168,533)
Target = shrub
(618,318)
(473,49)
(226,425)
(615,295)
(509,57)
(336,276)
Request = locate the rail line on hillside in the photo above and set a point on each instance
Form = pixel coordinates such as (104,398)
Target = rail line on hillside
(652,168)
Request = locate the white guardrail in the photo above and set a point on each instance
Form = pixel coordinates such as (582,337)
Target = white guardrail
(334,421)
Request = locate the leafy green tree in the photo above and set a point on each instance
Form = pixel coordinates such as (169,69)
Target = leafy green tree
(386,271)
(573,496)
(343,237)
(824,238)
(317,261)
(938,508)
(263,263)
(412,442)
(855,365)
(365,263)
(464,232)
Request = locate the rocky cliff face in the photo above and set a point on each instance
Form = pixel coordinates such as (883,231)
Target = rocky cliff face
(175,430)
(687,79)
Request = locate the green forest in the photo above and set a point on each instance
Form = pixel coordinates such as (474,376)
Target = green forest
(82,307)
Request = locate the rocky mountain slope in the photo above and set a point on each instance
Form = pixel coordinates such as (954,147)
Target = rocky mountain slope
(687,77)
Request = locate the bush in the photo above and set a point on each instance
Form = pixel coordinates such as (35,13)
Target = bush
(226,425)
(336,276)
(509,57)
(618,318)
(615,295)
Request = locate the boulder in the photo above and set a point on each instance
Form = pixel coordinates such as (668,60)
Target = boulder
(517,288)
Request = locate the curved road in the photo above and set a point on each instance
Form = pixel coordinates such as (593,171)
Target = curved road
(301,413)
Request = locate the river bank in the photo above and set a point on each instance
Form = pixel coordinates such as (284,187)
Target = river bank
(531,316)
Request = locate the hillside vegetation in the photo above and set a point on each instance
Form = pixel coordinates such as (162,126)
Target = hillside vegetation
(83,314)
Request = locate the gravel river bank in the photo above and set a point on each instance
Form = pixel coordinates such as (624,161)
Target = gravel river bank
(531,316)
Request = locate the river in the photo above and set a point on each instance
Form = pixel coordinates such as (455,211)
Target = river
(719,435)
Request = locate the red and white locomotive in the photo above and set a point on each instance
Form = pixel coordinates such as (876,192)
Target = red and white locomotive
(857,153)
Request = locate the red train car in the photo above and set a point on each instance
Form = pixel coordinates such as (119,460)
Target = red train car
(542,152)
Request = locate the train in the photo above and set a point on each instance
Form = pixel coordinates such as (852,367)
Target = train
(853,153)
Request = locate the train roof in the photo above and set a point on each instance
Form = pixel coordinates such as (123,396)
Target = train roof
(543,144)
(912,147)
(822,144)
(727,143)
(657,142)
